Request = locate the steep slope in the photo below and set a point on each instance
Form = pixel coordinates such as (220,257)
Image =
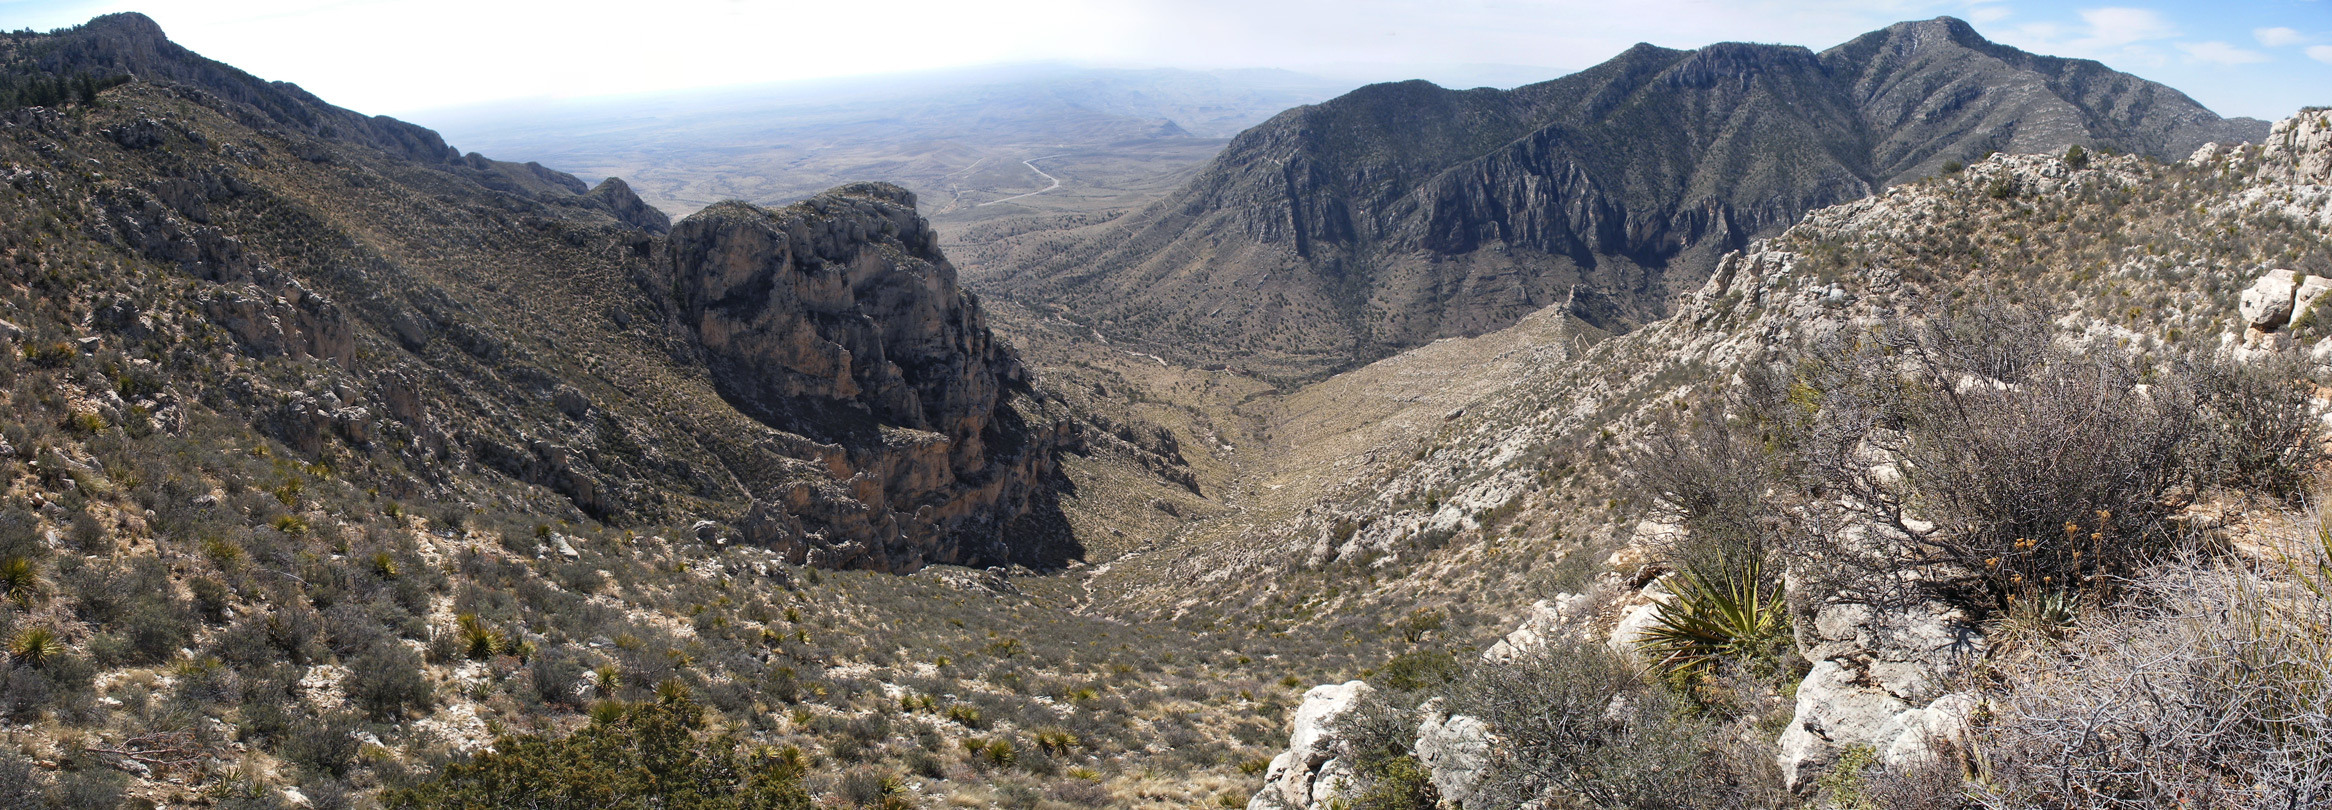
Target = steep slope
(1341,232)
(325,462)
(1526,497)
(459,317)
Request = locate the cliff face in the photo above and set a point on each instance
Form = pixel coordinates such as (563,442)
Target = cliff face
(838,319)
(1398,214)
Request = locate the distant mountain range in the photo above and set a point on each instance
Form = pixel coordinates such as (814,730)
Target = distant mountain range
(1341,232)
(954,136)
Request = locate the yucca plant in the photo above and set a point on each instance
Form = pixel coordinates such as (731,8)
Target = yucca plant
(1055,741)
(36,646)
(479,641)
(1713,619)
(384,565)
(19,581)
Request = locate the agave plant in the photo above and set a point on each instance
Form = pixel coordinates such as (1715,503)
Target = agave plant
(36,646)
(1713,619)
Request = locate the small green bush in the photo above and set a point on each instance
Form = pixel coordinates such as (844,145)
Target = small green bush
(661,755)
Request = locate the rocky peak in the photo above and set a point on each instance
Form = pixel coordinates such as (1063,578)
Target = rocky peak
(1917,36)
(617,197)
(1738,61)
(839,319)
(839,304)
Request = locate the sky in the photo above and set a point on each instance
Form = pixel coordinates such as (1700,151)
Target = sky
(2261,58)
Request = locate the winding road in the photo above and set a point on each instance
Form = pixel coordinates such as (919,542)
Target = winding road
(1031,164)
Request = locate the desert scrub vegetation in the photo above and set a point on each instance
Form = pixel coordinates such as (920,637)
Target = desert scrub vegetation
(1996,459)
(2207,685)
(1976,456)
(660,754)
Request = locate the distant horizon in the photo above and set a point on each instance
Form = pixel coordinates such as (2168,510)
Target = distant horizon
(1458,77)
(2264,59)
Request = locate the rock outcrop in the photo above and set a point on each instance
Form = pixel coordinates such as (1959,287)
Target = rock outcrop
(838,319)
(1308,773)
(1882,679)
(2299,148)
(1455,750)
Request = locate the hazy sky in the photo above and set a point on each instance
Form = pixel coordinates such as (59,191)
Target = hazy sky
(2263,58)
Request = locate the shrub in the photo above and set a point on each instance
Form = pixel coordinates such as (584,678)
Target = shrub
(386,681)
(2005,462)
(210,599)
(2211,686)
(1710,472)
(19,786)
(153,630)
(1375,737)
(1419,670)
(872,788)
(1576,725)
(658,754)
(60,685)
(2267,438)
(1400,783)
(324,745)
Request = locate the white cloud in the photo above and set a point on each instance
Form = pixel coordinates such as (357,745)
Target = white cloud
(2220,53)
(2321,53)
(2103,32)
(2115,27)
(2278,36)
(1986,11)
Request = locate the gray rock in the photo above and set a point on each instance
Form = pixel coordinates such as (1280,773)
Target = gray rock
(2311,289)
(1455,751)
(1879,680)
(2267,304)
(1627,637)
(2299,148)
(839,316)
(1300,776)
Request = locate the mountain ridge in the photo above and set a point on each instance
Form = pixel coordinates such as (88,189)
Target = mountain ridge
(1340,232)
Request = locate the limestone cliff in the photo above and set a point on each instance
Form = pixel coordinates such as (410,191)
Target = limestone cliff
(839,319)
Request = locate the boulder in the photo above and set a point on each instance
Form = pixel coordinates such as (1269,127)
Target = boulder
(1628,635)
(1455,750)
(2311,289)
(1879,680)
(1302,774)
(2267,304)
